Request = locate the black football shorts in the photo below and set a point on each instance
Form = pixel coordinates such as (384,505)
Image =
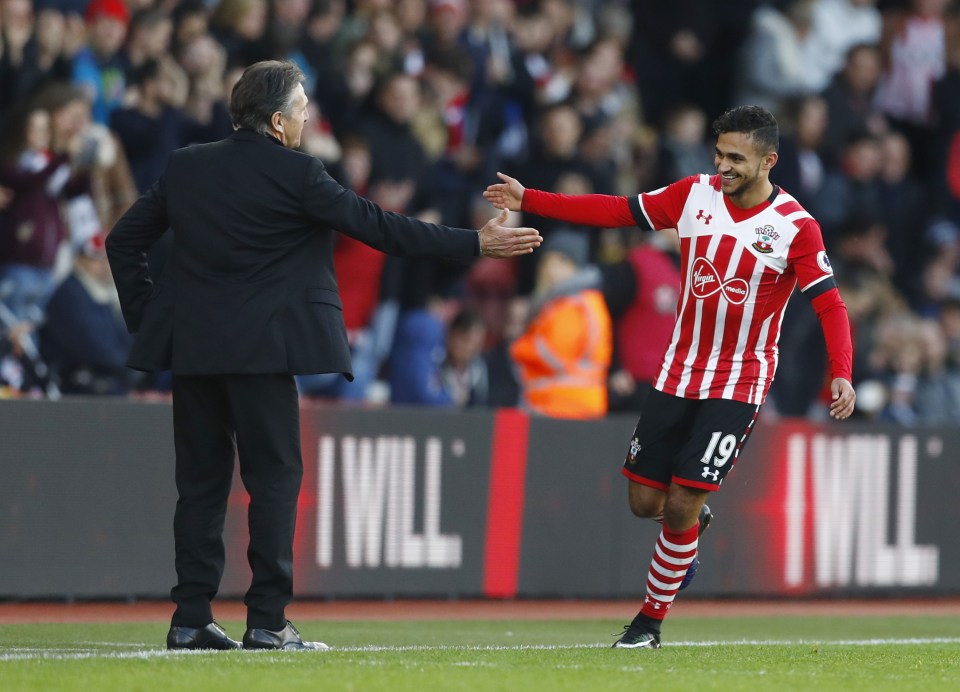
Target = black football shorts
(691,442)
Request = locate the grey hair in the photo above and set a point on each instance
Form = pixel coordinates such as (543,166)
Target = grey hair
(264,88)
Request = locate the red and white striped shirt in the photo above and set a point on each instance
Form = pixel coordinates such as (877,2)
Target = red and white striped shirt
(738,269)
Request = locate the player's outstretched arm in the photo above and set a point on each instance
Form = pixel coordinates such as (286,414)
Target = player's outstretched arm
(499,241)
(505,195)
(844,398)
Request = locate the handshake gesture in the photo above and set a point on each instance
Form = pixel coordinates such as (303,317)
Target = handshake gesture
(497,240)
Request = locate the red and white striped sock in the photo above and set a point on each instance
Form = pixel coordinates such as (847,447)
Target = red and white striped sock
(674,552)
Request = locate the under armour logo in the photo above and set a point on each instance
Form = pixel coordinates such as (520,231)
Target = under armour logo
(706,282)
(710,473)
(704,217)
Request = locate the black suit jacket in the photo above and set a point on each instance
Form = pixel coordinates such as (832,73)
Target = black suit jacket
(250,287)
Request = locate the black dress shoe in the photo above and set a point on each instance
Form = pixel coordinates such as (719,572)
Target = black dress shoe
(287,639)
(210,637)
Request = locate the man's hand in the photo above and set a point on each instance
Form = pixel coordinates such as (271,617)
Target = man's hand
(499,241)
(844,398)
(505,195)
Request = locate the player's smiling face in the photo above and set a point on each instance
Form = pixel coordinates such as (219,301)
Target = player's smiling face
(743,168)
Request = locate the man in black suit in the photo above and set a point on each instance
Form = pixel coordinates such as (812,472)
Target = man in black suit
(248,300)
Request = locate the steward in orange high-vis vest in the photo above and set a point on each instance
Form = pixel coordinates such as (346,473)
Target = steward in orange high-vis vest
(564,353)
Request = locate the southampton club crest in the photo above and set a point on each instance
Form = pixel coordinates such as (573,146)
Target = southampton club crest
(766,236)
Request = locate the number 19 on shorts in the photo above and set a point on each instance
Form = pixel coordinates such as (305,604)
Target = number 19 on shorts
(724,446)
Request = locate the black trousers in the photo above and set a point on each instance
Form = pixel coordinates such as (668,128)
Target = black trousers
(215,419)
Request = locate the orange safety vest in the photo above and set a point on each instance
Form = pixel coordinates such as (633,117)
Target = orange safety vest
(564,355)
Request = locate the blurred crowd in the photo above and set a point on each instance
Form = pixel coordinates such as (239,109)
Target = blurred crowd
(416,104)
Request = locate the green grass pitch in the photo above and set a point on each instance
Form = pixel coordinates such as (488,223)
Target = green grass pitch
(751,653)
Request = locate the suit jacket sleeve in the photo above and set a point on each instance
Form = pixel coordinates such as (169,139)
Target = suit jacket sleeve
(334,206)
(127,244)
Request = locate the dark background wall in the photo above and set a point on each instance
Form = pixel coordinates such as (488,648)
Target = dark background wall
(466,504)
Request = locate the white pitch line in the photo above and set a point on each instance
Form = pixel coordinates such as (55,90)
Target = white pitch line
(61,654)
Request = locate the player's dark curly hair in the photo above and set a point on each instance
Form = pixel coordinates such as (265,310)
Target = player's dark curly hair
(264,89)
(755,121)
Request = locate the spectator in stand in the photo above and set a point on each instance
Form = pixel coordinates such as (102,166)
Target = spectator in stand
(400,180)
(112,189)
(502,375)
(464,371)
(550,54)
(356,24)
(149,38)
(683,148)
(860,256)
(370,324)
(851,98)
(803,163)
(488,42)
(208,105)
(204,61)
(915,43)
(153,125)
(556,162)
(32,227)
(564,352)
(323,26)
(480,122)
(905,209)
(676,52)
(533,37)
(345,93)
(556,150)
(600,93)
(939,281)
(853,187)
(240,26)
(922,387)
(950,324)
(774,63)
(642,294)
(447,21)
(101,67)
(411,16)
(84,339)
(399,163)
(937,397)
(60,36)
(190,21)
(22,371)
(861,246)
(837,26)
(946,104)
(286,36)
(385,33)
(417,356)
(490,286)
(459,169)
(35,46)
(437,359)
(19,61)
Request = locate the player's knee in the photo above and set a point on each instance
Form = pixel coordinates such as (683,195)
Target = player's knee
(646,505)
(682,508)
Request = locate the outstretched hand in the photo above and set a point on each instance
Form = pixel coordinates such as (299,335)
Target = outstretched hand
(844,398)
(505,195)
(499,241)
